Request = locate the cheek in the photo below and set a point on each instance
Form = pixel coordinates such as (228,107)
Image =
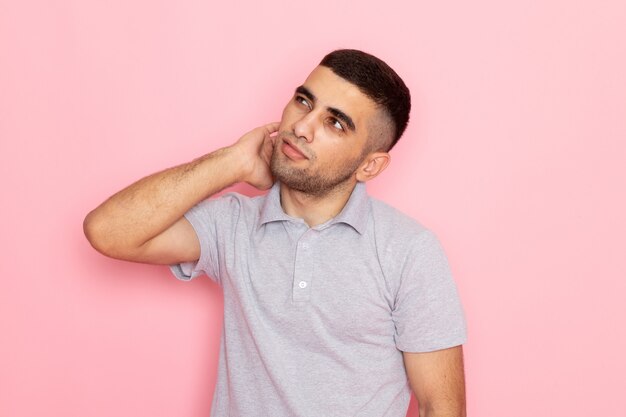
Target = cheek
(333,154)
(290,115)
(284,118)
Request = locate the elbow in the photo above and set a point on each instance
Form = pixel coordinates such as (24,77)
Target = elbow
(95,231)
(109,238)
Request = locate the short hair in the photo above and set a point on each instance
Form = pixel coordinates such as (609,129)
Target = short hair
(378,81)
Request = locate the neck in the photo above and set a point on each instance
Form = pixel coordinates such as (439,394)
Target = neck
(315,209)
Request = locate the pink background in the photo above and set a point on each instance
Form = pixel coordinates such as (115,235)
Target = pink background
(514,156)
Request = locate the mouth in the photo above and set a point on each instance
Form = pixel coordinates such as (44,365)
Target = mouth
(292,151)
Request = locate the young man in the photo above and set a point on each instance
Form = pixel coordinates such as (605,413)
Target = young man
(335,304)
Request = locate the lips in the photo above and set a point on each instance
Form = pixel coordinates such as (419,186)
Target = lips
(291,151)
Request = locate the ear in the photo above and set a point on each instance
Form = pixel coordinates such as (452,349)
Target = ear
(374,164)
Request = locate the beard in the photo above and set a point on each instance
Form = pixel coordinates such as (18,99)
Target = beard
(313,180)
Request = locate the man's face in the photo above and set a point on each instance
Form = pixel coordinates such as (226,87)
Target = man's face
(323,134)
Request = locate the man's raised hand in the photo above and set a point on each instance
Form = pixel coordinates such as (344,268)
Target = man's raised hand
(256,148)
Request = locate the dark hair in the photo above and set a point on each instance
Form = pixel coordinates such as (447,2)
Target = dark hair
(375,79)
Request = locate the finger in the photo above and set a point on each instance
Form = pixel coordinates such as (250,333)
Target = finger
(271,127)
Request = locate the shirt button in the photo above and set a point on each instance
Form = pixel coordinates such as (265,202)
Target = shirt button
(302,284)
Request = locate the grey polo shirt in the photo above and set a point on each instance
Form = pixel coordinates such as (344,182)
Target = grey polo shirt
(316,319)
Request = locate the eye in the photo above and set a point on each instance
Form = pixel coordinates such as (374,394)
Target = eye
(336,124)
(303,101)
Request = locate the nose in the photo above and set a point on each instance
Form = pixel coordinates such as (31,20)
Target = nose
(304,127)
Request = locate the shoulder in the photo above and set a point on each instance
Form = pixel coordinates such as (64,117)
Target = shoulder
(228,208)
(402,240)
(391,223)
(230,201)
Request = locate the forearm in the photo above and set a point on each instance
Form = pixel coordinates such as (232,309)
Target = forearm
(143,210)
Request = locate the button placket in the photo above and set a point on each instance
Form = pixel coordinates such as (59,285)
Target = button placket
(303,271)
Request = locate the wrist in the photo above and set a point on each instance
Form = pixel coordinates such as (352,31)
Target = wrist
(237,164)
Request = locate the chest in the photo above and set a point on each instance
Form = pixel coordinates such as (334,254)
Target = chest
(326,283)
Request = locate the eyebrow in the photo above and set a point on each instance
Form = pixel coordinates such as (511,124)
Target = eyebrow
(332,110)
(306,92)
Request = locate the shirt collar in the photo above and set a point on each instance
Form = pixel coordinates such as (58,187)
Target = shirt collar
(354,213)
(271,210)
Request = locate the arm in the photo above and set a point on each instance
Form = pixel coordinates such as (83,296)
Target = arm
(145,221)
(438,381)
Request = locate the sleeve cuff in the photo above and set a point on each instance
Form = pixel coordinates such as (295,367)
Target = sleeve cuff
(425,348)
(185,271)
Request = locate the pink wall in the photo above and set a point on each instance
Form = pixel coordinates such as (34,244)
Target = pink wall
(515,157)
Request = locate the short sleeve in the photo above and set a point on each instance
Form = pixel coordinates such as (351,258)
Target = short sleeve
(213,221)
(428,315)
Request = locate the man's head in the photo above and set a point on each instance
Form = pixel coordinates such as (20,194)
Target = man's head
(380,83)
(340,124)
